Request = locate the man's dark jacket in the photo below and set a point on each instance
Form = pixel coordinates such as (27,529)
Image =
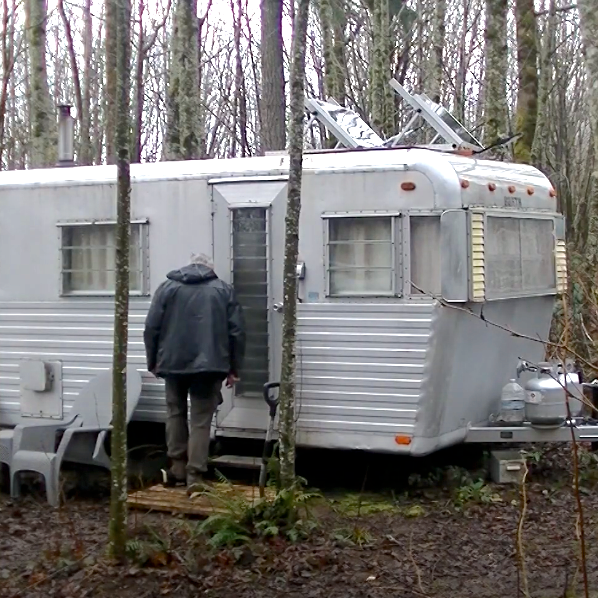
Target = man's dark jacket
(194,325)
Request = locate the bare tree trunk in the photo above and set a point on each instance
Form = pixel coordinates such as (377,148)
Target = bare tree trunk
(139,87)
(43,124)
(74,70)
(382,99)
(273,104)
(184,137)
(548,46)
(437,70)
(118,498)
(332,22)
(495,86)
(111,84)
(588,13)
(8,62)
(85,146)
(289,324)
(240,91)
(527,63)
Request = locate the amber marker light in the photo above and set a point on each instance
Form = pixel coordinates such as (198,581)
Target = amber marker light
(552,193)
(407,186)
(512,189)
(403,440)
(530,190)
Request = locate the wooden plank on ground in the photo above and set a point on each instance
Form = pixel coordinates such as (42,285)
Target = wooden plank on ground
(175,500)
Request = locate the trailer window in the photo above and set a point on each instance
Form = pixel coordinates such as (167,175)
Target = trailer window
(424,232)
(519,256)
(89,255)
(360,256)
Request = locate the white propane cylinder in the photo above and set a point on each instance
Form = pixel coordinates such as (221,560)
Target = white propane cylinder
(512,403)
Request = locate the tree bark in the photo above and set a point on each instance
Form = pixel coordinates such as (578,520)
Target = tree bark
(527,64)
(139,86)
(380,71)
(184,137)
(289,324)
(118,498)
(111,83)
(437,67)
(273,104)
(8,62)
(588,12)
(541,143)
(44,138)
(495,86)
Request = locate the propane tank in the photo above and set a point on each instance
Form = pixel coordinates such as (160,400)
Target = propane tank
(546,398)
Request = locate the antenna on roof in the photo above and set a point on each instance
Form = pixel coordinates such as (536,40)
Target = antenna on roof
(446,126)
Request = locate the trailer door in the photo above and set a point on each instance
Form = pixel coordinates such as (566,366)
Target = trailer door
(248,246)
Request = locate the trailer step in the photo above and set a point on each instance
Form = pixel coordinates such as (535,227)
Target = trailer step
(237,461)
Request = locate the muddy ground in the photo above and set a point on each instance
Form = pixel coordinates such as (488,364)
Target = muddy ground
(437,531)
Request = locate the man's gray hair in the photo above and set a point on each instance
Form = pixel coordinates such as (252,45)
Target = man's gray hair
(202,259)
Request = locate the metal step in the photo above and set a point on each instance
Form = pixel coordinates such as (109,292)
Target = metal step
(238,461)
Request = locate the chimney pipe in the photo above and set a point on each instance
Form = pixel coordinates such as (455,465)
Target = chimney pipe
(66,134)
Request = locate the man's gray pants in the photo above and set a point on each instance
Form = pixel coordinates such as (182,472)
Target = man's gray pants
(188,446)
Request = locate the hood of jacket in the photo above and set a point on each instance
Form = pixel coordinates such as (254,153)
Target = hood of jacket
(192,274)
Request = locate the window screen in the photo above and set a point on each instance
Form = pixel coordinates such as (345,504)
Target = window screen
(360,256)
(424,232)
(519,255)
(89,259)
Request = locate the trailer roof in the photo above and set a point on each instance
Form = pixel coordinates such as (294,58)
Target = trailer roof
(432,163)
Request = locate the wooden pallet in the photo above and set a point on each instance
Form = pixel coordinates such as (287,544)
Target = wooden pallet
(175,500)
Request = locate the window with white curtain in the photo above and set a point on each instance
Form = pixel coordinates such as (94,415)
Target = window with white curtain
(424,233)
(89,258)
(361,256)
(519,255)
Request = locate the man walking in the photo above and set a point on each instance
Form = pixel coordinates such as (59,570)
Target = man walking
(194,339)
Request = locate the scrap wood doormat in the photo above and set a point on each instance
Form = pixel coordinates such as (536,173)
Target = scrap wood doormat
(176,501)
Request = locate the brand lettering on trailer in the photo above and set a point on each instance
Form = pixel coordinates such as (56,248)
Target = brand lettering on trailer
(512,202)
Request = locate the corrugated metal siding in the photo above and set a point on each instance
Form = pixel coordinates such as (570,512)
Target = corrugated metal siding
(360,366)
(79,333)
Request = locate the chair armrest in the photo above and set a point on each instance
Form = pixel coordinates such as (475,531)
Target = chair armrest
(92,429)
(38,437)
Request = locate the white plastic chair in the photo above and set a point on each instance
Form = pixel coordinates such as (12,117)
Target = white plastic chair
(34,446)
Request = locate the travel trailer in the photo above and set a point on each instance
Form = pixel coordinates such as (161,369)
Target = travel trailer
(415,263)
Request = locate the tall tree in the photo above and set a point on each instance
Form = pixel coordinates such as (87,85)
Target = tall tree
(547,51)
(380,72)
(110,90)
(438,40)
(527,65)
(273,108)
(333,19)
(495,85)
(184,136)
(118,498)
(44,137)
(588,12)
(289,323)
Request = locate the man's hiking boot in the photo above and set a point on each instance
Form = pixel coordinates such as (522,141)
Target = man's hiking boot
(195,484)
(171,481)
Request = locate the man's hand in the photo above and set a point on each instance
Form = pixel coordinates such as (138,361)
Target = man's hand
(231,380)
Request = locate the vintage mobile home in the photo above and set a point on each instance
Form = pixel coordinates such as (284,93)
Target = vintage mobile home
(397,247)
